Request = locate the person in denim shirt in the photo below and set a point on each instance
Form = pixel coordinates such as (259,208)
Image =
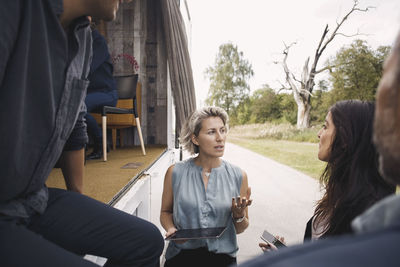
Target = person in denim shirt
(45,49)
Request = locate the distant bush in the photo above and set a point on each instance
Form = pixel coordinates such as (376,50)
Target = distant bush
(282,131)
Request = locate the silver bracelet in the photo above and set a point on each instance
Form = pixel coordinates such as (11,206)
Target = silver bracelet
(238,220)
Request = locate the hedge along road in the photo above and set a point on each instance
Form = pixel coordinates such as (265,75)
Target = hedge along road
(283,199)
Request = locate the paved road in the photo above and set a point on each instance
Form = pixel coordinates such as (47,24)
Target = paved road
(283,199)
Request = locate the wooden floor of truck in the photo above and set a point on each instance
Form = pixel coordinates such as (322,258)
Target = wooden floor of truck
(104,180)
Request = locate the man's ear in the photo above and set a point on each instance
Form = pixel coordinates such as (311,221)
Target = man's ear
(194,140)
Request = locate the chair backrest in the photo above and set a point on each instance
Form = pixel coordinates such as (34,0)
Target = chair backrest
(126,86)
(124,120)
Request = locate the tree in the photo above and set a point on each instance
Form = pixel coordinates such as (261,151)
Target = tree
(229,79)
(321,103)
(265,105)
(288,107)
(242,114)
(302,88)
(358,71)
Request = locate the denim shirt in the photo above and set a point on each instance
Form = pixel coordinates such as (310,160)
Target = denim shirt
(195,207)
(43,81)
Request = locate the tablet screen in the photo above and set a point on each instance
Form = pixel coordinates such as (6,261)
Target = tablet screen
(184,234)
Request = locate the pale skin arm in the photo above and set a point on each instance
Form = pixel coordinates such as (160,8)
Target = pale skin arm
(72,166)
(240,205)
(167,202)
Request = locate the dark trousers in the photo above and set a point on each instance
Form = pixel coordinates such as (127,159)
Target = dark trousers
(200,257)
(74,225)
(94,103)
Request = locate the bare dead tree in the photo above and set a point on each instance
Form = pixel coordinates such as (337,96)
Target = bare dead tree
(302,88)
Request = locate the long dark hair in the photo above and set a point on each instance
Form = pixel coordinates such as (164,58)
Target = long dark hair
(351,177)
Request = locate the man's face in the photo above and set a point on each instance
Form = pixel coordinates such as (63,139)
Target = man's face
(106,9)
(387,117)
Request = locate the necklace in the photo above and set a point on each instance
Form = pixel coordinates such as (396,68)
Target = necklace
(207,174)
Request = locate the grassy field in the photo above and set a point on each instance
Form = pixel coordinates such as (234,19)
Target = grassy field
(281,147)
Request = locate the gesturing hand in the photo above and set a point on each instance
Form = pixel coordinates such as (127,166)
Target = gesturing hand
(239,204)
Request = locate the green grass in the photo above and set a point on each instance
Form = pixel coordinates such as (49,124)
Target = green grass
(282,131)
(301,156)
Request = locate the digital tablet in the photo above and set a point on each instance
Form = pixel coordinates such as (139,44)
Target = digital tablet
(184,234)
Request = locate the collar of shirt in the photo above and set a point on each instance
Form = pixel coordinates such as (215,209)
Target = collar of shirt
(385,213)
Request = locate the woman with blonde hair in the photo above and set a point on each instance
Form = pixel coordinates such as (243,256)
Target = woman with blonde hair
(205,191)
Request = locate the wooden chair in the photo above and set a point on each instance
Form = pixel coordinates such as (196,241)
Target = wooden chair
(126,114)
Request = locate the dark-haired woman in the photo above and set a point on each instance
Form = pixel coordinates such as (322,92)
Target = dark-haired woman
(351,178)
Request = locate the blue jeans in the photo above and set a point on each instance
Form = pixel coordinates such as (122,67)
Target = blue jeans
(74,225)
(94,103)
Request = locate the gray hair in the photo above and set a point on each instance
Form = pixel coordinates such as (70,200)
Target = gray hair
(194,123)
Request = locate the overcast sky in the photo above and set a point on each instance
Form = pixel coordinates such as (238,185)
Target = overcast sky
(260,27)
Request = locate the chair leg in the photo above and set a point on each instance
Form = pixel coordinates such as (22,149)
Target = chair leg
(140,135)
(121,137)
(114,138)
(104,128)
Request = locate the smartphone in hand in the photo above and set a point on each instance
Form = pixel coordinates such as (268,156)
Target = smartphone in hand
(269,238)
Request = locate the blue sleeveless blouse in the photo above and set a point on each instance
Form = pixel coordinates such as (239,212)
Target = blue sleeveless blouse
(195,207)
